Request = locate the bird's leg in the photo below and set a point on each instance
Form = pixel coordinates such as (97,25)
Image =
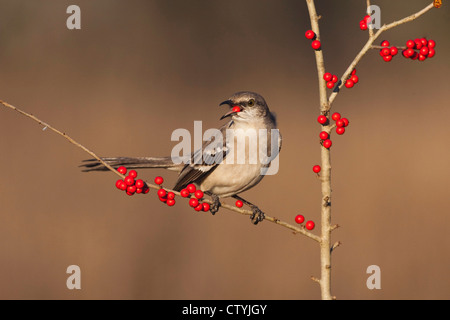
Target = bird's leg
(257,215)
(216,203)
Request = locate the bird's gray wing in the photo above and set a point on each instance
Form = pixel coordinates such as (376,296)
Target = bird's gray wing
(205,160)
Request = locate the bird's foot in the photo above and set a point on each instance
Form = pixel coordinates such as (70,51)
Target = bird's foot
(215,205)
(257,215)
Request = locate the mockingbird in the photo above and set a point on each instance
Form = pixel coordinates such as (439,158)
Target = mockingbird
(223,178)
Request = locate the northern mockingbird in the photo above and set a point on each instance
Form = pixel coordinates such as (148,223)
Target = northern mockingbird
(209,168)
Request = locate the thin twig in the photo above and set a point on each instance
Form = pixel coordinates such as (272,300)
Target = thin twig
(153,186)
(369,12)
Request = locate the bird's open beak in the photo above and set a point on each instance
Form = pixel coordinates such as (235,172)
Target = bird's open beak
(229,113)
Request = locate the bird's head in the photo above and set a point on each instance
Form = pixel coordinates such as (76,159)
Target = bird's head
(245,105)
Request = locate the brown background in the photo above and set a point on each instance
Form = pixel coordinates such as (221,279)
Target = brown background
(137,70)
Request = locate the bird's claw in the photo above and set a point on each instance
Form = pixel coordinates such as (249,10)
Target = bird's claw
(257,215)
(215,205)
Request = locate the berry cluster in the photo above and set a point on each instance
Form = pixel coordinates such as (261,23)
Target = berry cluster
(387,53)
(194,202)
(352,80)
(308,225)
(129,184)
(364,22)
(424,47)
(341,123)
(331,79)
(315,44)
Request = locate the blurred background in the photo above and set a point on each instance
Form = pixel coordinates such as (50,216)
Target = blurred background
(139,69)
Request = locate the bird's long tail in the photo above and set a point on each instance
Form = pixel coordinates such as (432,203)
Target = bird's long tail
(131,163)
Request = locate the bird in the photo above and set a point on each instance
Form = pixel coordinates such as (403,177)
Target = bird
(208,167)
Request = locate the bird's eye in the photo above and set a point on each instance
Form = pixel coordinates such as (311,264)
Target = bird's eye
(251,102)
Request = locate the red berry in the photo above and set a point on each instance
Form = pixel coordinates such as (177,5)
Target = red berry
(139,183)
(322,119)
(123,186)
(191,188)
(346,122)
(145,190)
(327,76)
(159,180)
(139,190)
(129,193)
(316,44)
(385,52)
(418,43)
(236,109)
(340,123)
(385,43)
(161,193)
(336,116)
(422,57)
(170,195)
(394,51)
(327,143)
(424,51)
(330,84)
(310,225)
(299,219)
(193,202)
(170,202)
(387,58)
(410,44)
(205,206)
(424,42)
(119,183)
(323,135)
(317,168)
(349,83)
(431,53)
(354,78)
(198,194)
(340,130)
(122,170)
(239,204)
(310,34)
(129,181)
(353,72)
(367,19)
(409,53)
(431,43)
(334,79)
(184,193)
(132,173)
(363,25)
(199,207)
(131,189)
(163,199)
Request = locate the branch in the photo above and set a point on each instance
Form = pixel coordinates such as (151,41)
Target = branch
(299,229)
(368,46)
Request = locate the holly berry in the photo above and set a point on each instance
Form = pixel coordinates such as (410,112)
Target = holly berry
(327,144)
(122,170)
(132,173)
(170,202)
(330,84)
(363,25)
(236,109)
(387,58)
(327,76)
(424,51)
(122,186)
(145,190)
(349,83)
(129,180)
(317,168)
(131,190)
(163,199)
(385,43)
(354,78)
(310,225)
(198,194)
(118,183)
(340,130)
(367,19)
(431,53)
(170,195)
(193,202)
(316,44)
(418,43)
(159,180)
(410,44)
(299,219)
(239,204)
(139,183)
(205,206)
(161,193)
(334,79)
(322,119)
(198,207)
(184,193)
(310,34)
(324,135)
(336,116)
(191,188)
(431,43)
(394,51)
(346,122)
(385,52)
